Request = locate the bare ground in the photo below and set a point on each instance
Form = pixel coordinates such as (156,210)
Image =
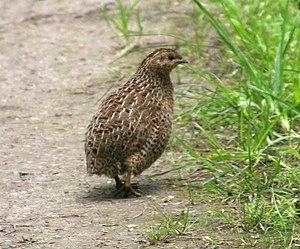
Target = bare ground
(50,53)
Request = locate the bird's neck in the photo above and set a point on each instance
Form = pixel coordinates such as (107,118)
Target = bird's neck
(156,76)
(162,79)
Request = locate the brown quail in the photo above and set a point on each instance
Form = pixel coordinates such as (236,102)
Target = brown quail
(131,128)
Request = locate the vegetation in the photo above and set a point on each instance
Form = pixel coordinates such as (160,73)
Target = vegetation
(244,130)
(120,20)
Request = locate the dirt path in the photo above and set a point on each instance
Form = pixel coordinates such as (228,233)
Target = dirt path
(49,51)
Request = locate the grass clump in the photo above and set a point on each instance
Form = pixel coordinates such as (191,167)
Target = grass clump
(251,120)
(171,224)
(120,19)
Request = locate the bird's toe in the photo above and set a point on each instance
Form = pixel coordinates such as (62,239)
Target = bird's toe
(125,191)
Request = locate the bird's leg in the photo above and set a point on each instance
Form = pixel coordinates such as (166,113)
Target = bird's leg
(126,188)
(119,183)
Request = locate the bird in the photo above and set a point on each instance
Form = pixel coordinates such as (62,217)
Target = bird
(131,128)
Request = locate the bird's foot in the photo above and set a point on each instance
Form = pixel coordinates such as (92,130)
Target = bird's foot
(120,183)
(125,190)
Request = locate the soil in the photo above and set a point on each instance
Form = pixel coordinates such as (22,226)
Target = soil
(54,60)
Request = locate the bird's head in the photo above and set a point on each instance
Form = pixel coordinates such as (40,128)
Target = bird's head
(162,60)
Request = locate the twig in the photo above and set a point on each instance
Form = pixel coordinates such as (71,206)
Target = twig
(138,215)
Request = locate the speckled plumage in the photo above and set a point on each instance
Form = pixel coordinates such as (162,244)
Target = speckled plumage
(131,128)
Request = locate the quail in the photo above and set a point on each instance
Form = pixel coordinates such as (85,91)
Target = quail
(131,128)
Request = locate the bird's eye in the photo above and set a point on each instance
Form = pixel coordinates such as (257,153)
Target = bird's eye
(171,57)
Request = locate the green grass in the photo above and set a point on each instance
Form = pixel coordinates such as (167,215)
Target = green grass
(171,224)
(245,129)
(120,20)
(251,121)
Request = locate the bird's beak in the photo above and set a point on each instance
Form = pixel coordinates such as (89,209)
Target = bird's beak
(181,61)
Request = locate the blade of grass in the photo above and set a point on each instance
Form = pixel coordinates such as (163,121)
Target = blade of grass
(225,37)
